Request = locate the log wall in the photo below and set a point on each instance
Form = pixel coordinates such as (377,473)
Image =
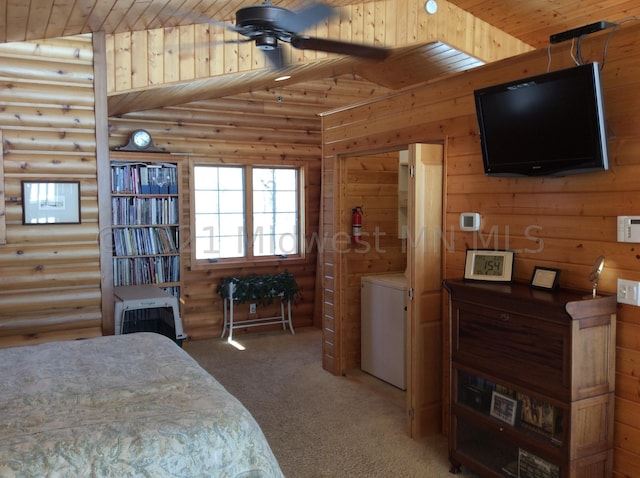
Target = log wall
(51,277)
(49,274)
(564,223)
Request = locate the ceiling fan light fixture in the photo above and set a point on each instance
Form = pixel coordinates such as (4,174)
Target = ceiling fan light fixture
(267,42)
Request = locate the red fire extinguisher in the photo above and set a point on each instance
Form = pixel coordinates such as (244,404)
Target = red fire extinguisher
(356,225)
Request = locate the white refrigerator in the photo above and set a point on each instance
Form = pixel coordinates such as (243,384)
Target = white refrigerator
(384,327)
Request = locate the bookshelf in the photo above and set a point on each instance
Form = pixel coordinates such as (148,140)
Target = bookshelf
(145,220)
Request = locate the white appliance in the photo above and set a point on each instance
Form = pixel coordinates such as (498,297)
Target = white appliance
(384,327)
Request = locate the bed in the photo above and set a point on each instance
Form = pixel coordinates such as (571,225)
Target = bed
(122,406)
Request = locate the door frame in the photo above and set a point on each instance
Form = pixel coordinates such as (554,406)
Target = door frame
(416,425)
(425,218)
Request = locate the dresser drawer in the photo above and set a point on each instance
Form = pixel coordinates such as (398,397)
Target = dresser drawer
(519,348)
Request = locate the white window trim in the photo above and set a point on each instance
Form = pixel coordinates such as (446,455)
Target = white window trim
(300,258)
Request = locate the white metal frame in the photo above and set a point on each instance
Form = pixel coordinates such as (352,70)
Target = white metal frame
(229,324)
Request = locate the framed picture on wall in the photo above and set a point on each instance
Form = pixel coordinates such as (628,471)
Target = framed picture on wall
(50,202)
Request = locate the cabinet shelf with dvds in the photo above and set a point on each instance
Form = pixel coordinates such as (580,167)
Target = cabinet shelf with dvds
(532,381)
(145,220)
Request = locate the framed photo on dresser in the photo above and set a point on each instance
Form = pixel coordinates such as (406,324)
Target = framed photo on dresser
(504,408)
(545,278)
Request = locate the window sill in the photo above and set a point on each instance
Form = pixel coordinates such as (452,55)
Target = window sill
(238,263)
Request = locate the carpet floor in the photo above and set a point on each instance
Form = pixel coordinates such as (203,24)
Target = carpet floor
(320,425)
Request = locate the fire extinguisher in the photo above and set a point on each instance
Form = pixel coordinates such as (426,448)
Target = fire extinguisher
(356,225)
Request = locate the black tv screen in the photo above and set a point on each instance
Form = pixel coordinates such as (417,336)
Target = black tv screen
(545,125)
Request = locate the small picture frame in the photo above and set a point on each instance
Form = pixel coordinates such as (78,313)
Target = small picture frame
(545,278)
(489,265)
(50,202)
(504,408)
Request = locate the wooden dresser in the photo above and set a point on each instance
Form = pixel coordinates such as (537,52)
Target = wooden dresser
(532,381)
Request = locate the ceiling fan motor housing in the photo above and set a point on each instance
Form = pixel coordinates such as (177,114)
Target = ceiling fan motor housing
(264,20)
(266,42)
(267,24)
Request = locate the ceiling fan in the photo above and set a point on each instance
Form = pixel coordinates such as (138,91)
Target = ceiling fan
(268,25)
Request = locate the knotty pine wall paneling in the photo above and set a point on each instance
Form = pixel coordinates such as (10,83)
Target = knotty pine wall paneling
(564,223)
(373,185)
(49,274)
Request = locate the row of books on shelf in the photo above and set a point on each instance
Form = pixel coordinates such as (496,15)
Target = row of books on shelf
(141,178)
(511,406)
(146,270)
(129,210)
(136,241)
(529,465)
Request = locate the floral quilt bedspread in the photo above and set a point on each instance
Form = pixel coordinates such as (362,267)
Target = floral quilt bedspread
(132,405)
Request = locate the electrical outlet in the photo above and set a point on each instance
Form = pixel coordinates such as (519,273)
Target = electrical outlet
(252,308)
(628,292)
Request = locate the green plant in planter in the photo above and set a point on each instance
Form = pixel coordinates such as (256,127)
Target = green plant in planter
(262,289)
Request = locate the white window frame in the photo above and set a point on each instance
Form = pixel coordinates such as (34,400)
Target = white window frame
(249,258)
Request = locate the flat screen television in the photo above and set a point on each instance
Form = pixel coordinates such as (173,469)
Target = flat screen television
(546,125)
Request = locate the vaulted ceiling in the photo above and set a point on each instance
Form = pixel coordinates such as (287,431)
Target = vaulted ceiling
(531,21)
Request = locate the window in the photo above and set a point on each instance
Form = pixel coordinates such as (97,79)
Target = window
(246,212)
(275,211)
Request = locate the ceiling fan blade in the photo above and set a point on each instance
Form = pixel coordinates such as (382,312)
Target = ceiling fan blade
(343,48)
(197,18)
(239,40)
(305,18)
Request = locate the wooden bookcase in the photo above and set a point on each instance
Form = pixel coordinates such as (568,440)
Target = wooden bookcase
(532,381)
(145,218)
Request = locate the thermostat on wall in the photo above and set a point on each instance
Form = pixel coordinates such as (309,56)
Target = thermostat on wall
(628,228)
(470,221)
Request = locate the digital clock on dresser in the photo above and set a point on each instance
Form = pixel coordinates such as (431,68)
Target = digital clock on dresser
(489,265)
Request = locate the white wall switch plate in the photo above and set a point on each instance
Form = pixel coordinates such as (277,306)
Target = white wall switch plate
(628,292)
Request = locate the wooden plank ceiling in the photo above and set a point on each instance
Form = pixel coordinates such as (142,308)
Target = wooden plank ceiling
(530,21)
(424,62)
(533,21)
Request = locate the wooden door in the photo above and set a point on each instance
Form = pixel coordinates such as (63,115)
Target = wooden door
(424,258)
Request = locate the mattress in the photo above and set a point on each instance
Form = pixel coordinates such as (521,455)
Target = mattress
(122,406)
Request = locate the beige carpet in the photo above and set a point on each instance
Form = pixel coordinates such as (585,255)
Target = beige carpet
(320,425)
